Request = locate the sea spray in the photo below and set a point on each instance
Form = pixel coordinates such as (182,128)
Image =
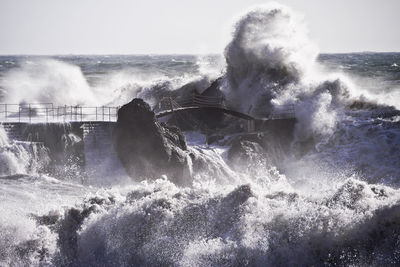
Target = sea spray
(51,80)
(158,223)
(48,81)
(20,158)
(268,51)
(271,62)
(335,202)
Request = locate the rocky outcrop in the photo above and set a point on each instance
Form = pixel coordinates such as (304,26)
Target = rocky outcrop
(255,149)
(243,152)
(148,148)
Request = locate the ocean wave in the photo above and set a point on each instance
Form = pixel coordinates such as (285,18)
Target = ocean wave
(160,223)
(332,199)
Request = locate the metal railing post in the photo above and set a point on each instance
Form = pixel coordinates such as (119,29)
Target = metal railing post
(49,112)
(30,120)
(170,104)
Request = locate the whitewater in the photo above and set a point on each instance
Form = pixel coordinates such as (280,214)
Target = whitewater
(333,198)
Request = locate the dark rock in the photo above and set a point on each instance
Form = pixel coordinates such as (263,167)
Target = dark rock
(244,151)
(148,148)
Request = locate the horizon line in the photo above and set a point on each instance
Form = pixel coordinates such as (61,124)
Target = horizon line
(177,54)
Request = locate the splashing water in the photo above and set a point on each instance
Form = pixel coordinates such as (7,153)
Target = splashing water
(272,62)
(333,199)
(62,83)
(20,158)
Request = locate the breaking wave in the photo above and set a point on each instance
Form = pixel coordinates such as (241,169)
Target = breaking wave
(272,62)
(159,223)
(62,83)
(333,199)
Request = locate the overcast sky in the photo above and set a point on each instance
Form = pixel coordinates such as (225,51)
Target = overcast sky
(182,26)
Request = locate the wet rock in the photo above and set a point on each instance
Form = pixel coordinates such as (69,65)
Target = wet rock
(147,148)
(244,151)
(256,148)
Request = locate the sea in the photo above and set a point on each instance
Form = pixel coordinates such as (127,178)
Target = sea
(332,199)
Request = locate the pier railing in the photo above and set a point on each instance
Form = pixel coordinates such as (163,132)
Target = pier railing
(48,112)
(168,103)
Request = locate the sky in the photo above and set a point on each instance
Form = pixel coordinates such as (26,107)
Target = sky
(50,27)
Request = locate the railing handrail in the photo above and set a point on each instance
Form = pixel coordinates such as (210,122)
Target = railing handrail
(48,111)
(197,100)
